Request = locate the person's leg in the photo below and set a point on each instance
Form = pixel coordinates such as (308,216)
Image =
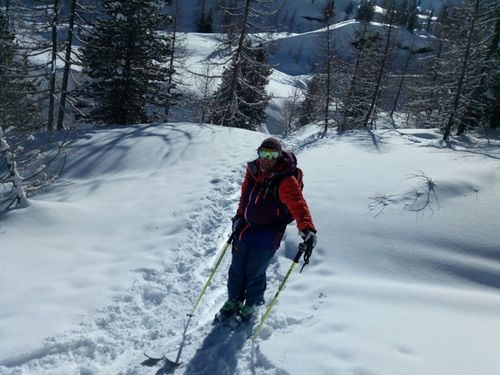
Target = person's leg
(257,264)
(238,272)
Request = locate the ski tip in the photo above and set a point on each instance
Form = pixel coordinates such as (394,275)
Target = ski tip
(154,356)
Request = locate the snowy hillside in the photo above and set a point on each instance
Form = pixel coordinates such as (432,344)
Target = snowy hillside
(298,54)
(107,263)
(296,16)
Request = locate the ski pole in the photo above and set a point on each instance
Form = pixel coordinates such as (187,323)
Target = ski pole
(280,288)
(214,269)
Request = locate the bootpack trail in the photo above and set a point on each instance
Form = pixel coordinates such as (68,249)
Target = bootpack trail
(152,316)
(223,343)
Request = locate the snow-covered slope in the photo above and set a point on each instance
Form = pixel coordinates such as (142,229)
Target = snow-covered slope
(108,262)
(299,54)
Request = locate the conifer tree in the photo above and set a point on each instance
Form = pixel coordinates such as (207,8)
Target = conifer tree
(205,20)
(255,98)
(366,11)
(241,99)
(412,22)
(310,107)
(125,57)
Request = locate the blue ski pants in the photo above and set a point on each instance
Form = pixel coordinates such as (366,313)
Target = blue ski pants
(247,273)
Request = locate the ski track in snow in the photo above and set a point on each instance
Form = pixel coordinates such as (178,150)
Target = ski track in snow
(139,320)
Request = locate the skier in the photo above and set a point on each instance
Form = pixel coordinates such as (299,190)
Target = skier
(271,198)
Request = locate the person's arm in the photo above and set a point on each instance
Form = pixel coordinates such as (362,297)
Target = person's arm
(290,194)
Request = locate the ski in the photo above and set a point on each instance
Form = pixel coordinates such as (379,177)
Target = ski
(155,358)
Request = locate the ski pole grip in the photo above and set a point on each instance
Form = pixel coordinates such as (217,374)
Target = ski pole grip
(231,238)
(298,255)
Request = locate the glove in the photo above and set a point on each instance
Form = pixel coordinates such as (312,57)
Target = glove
(309,238)
(307,246)
(238,223)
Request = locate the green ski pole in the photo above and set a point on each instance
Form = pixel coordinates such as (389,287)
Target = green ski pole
(280,288)
(214,269)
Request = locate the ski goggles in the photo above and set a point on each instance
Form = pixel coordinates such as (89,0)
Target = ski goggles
(268,153)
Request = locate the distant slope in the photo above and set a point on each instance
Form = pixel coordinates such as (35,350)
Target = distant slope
(299,54)
(296,16)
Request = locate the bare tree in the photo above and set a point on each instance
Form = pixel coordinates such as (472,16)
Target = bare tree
(381,73)
(329,57)
(290,111)
(470,63)
(205,84)
(174,54)
(350,112)
(463,72)
(402,79)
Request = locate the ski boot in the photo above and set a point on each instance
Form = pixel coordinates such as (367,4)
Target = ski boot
(229,308)
(245,313)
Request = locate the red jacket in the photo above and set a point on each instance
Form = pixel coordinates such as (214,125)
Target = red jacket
(266,216)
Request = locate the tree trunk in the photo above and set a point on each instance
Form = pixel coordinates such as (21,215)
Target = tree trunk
(347,102)
(67,67)
(328,76)
(7,6)
(52,86)
(171,62)
(376,91)
(461,80)
(401,82)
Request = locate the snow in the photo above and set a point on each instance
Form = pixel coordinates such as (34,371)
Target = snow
(107,263)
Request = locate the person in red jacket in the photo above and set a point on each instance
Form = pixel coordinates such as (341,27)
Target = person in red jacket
(271,198)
